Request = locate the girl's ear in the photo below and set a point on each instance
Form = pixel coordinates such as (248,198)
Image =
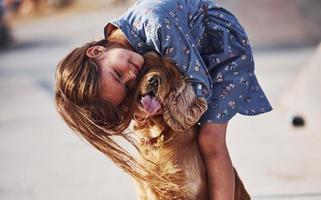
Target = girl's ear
(95,51)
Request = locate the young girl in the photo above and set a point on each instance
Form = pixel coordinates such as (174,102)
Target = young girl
(94,82)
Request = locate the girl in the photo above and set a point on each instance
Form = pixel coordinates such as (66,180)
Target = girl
(94,82)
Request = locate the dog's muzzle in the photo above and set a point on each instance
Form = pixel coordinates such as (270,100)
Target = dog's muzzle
(148,100)
(154,82)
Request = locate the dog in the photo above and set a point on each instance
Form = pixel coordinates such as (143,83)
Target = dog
(165,121)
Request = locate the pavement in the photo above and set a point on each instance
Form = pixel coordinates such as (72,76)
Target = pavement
(41,159)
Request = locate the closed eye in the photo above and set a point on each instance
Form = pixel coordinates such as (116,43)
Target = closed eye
(118,75)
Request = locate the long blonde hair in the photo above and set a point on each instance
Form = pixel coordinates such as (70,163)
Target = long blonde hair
(79,103)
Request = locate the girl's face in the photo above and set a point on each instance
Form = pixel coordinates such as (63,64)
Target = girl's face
(119,69)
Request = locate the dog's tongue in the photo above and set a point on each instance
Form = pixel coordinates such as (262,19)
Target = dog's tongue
(151,105)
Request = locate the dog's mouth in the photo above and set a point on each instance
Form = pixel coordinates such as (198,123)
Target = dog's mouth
(148,97)
(148,103)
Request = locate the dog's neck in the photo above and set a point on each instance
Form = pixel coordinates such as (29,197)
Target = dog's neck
(152,131)
(161,135)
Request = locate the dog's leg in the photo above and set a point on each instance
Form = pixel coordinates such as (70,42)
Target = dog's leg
(240,191)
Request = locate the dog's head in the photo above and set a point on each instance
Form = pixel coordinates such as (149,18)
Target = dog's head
(158,80)
(165,98)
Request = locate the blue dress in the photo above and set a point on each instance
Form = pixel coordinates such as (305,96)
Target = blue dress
(207,43)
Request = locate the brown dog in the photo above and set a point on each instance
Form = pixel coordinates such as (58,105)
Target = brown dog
(166,114)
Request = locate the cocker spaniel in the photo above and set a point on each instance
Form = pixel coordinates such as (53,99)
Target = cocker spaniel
(166,115)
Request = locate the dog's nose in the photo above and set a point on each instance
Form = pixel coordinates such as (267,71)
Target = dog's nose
(153,82)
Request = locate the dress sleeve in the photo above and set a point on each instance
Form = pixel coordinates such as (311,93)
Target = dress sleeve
(174,40)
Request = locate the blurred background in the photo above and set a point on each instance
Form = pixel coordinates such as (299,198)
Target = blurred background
(276,154)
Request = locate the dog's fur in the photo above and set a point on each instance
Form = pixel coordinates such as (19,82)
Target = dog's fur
(168,142)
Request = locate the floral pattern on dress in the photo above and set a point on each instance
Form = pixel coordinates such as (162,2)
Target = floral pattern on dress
(209,46)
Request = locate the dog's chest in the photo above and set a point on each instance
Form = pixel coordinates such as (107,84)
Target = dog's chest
(194,176)
(193,170)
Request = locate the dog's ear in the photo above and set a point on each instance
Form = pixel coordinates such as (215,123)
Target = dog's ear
(182,108)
